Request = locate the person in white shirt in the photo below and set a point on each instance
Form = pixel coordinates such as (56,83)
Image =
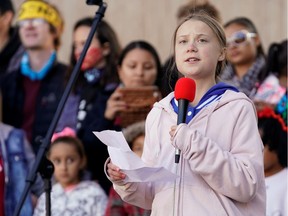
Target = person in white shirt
(70,196)
(273,132)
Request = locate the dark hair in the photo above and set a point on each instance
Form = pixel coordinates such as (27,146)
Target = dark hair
(277,58)
(140,44)
(76,143)
(105,34)
(247,23)
(192,7)
(6,5)
(274,136)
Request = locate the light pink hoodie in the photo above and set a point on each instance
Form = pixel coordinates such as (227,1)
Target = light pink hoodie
(221,165)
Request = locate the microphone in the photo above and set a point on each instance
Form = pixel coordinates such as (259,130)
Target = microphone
(184,93)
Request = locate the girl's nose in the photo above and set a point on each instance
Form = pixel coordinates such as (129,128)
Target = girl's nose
(192,47)
(63,166)
(139,70)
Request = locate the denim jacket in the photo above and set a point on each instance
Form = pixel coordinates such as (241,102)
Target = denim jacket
(18,159)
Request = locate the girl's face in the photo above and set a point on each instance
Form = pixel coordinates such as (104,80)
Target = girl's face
(138,68)
(95,53)
(243,52)
(67,163)
(197,50)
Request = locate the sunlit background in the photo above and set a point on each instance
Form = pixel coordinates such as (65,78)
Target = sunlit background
(155,20)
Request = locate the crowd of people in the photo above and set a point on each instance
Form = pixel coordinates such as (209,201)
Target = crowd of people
(234,168)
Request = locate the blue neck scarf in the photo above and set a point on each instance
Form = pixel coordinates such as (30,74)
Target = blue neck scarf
(93,75)
(36,75)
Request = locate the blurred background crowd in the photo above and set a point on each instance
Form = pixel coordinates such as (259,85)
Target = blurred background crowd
(40,43)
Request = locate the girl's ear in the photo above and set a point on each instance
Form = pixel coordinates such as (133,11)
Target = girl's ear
(222,55)
(119,71)
(8,17)
(83,163)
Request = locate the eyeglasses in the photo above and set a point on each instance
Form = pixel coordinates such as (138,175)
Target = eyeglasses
(240,38)
(31,22)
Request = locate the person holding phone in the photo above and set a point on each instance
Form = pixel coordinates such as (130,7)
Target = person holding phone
(138,66)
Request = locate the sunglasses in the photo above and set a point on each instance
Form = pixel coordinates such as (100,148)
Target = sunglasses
(240,38)
(31,22)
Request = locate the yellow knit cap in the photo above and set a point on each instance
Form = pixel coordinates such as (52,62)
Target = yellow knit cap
(31,9)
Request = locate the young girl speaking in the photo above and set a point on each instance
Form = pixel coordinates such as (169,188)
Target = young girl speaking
(221,162)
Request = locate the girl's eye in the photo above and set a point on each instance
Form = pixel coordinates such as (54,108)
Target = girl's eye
(148,67)
(70,160)
(56,161)
(132,66)
(202,40)
(182,41)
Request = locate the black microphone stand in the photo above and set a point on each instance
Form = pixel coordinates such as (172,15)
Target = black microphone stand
(41,160)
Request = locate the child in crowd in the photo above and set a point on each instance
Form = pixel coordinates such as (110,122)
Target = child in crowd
(134,135)
(71,196)
(274,87)
(273,132)
(221,165)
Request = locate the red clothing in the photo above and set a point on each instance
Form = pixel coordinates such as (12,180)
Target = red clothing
(117,207)
(31,89)
(2,185)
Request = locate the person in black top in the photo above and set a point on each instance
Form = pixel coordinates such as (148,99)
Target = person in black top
(10,44)
(32,91)
(97,80)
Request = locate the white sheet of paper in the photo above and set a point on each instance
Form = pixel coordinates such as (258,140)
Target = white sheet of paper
(134,168)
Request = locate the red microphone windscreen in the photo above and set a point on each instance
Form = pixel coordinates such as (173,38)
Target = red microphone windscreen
(185,88)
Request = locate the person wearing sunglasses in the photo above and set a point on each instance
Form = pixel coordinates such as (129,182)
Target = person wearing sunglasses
(246,61)
(32,90)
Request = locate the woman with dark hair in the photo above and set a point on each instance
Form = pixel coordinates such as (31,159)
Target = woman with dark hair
(98,78)
(138,66)
(104,56)
(246,67)
(144,46)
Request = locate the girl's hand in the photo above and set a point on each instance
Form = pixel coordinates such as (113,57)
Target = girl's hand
(115,104)
(114,172)
(172,132)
